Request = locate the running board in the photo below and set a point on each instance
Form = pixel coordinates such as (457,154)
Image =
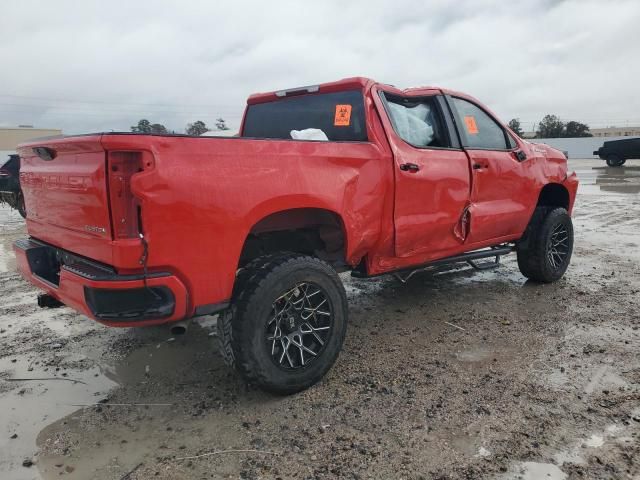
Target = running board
(469,257)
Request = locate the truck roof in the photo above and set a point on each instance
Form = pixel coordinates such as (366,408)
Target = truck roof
(350,83)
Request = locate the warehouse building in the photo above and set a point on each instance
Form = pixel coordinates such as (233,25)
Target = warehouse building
(616,132)
(11,137)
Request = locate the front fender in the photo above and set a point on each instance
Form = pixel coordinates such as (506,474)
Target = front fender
(571,184)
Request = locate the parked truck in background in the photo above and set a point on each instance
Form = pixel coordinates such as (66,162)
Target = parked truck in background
(136,229)
(617,152)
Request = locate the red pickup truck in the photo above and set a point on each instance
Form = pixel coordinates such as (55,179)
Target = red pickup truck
(138,229)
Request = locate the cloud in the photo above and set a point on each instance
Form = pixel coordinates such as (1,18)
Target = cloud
(90,65)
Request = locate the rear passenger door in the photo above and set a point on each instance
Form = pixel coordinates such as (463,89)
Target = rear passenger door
(499,203)
(431,175)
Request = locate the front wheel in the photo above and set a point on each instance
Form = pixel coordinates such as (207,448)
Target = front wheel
(545,251)
(287,324)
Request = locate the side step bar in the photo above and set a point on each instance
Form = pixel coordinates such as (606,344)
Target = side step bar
(469,257)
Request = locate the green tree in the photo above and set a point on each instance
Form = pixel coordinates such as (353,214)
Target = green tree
(575,129)
(221,124)
(197,128)
(550,127)
(514,124)
(158,128)
(144,126)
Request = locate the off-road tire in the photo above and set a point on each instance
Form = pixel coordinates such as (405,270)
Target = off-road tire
(225,318)
(615,161)
(241,330)
(533,248)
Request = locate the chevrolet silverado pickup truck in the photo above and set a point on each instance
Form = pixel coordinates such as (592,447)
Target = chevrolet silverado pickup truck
(137,229)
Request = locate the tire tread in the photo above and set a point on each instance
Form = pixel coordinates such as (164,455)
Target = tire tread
(531,249)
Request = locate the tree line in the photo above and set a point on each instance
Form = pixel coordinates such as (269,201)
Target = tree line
(195,129)
(552,127)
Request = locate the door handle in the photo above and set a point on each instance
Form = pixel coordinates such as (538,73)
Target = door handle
(409,167)
(479,166)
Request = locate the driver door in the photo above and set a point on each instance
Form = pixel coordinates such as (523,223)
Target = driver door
(501,180)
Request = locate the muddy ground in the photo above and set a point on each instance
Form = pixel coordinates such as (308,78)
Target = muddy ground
(453,375)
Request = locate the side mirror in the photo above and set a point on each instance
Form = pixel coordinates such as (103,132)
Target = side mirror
(521,156)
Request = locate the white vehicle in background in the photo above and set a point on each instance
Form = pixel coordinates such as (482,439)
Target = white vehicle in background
(220,133)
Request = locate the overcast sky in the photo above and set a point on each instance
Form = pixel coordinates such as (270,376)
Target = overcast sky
(99,65)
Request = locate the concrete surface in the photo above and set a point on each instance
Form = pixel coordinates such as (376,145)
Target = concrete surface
(539,381)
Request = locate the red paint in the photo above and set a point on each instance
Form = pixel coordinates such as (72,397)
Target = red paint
(200,198)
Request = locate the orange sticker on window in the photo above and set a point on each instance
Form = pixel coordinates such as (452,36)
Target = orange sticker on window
(343,116)
(471,125)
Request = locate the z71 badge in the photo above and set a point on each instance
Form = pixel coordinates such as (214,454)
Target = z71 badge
(94,229)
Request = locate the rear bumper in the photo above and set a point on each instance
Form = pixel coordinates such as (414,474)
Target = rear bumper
(97,291)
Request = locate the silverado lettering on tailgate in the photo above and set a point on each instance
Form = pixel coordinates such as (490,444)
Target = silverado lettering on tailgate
(72,183)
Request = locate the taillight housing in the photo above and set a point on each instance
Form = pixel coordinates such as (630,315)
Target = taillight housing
(125,216)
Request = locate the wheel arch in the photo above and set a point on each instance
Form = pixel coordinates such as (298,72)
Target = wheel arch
(554,195)
(315,230)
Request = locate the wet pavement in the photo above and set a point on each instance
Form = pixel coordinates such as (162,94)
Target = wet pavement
(457,374)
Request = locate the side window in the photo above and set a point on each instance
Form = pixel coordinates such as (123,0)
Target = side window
(417,121)
(477,129)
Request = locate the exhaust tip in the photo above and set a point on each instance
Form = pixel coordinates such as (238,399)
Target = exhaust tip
(179,328)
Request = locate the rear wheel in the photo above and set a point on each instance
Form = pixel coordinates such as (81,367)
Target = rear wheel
(545,251)
(287,324)
(615,161)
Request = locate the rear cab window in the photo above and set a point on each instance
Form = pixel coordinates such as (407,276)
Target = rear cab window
(339,115)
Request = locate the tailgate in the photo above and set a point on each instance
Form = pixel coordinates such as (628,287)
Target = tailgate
(65,189)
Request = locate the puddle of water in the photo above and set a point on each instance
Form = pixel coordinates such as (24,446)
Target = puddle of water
(557,378)
(535,471)
(482,453)
(479,356)
(594,441)
(29,406)
(161,360)
(356,287)
(572,455)
(576,452)
(474,355)
(608,181)
(604,377)
(466,275)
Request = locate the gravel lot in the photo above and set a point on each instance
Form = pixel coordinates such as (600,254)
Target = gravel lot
(454,375)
